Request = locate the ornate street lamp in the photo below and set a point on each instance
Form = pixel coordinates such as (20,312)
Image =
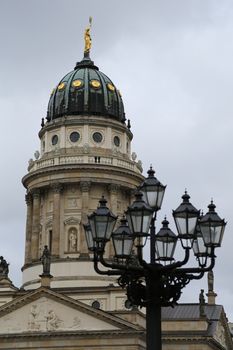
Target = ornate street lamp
(102,222)
(186,216)
(122,240)
(153,191)
(89,237)
(159,282)
(200,250)
(165,243)
(212,227)
(139,215)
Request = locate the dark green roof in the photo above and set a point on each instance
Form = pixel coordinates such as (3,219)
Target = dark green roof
(84,98)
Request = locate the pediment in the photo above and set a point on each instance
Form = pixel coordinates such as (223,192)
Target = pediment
(222,332)
(48,311)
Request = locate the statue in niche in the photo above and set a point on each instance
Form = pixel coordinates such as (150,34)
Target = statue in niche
(46,260)
(4,267)
(72,237)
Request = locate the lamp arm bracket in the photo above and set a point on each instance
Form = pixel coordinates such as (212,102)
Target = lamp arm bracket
(198,269)
(196,277)
(107,272)
(120,267)
(178,263)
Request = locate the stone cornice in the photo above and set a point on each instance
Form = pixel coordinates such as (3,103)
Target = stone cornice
(61,169)
(75,334)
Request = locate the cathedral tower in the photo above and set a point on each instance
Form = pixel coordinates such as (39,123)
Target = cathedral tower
(85,153)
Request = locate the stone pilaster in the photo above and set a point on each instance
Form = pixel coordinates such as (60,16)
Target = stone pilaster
(57,189)
(28,199)
(85,192)
(113,192)
(35,224)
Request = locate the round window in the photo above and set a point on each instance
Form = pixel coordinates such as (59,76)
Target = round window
(97,137)
(116,141)
(96,304)
(128,304)
(54,140)
(74,136)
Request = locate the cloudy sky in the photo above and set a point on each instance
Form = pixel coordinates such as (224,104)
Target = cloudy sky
(172,61)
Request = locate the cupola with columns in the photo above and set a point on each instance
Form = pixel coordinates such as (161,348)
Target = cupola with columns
(85,153)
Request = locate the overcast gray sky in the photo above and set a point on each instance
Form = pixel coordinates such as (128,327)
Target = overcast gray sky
(172,61)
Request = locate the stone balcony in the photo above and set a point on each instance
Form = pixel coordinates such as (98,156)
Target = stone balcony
(85,159)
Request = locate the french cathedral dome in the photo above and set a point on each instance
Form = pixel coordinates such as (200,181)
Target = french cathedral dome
(86,91)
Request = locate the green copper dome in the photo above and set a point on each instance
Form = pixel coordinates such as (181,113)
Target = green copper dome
(86,91)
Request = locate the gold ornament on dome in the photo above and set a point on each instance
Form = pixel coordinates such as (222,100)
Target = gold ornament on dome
(111,87)
(95,83)
(87,37)
(77,83)
(61,86)
(119,93)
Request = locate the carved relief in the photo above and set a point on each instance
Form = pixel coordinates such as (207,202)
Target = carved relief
(42,317)
(33,318)
(53,321)
(49,223)
(72,203)
(48,315)
(76,323)
(71,221)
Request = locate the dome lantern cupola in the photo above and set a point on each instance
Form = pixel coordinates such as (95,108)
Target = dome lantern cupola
(86,91)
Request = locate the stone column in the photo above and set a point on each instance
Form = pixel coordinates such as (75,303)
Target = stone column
(28,199)
(211,294)
(57,188)
(113,191)
(113,195)
(35,225)
(85,191)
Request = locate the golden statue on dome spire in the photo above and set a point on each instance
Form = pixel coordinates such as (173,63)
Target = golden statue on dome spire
(87,38)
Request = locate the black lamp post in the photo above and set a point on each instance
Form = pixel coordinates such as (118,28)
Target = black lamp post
(159,282)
